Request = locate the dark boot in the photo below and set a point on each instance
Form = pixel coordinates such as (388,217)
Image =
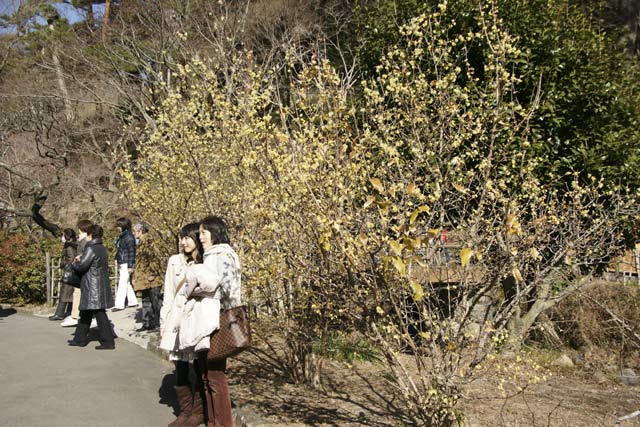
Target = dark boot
(67,309)
(60,311)
(184,400)
(197,411)
(80,338)
(105,331)
(106,346)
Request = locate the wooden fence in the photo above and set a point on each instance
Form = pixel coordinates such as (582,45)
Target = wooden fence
(443,266)
(626,267)
(53,268)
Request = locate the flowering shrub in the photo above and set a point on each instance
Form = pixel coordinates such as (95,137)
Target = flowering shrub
(335,193)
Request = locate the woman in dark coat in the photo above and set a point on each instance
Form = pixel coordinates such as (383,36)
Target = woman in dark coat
(95,292)
(66,291)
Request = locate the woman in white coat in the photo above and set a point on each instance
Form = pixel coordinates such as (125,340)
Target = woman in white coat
(210,287)
(191,404)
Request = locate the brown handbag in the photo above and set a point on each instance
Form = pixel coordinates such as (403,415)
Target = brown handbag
(233,336)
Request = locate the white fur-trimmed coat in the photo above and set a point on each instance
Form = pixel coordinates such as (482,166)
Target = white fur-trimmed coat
(209,286)
(173,306)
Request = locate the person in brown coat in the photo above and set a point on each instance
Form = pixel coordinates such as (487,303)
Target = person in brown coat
(66,291)
(146,279)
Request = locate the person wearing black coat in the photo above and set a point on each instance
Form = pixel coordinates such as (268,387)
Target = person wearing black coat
(95,293)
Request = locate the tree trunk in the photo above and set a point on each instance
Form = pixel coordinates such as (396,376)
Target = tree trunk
(636,37)
(522,320)
(105,20)
(90,18)
(35,215)
(42,221)
(68,110)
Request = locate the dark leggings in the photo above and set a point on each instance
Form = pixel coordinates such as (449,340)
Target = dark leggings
(182,372)
(151,303)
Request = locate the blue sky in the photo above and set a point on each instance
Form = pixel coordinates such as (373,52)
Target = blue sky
(7,7)
(65,9)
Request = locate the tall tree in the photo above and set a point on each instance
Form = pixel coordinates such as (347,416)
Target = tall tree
(105,20)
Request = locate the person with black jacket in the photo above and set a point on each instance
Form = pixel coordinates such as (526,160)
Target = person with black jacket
(95,294)
(126,259)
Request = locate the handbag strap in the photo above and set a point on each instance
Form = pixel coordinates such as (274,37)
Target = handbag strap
(182,282)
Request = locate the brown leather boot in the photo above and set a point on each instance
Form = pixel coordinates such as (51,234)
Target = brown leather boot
(185,402)
(197,410)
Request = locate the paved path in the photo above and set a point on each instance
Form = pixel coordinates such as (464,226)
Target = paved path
(44,382)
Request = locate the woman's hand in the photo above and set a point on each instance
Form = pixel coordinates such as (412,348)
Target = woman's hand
(197,291)
(193,292)
(188,289)
(77,258)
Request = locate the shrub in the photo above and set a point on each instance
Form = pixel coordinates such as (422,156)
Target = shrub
(22,268)
(334,200)
(347,348)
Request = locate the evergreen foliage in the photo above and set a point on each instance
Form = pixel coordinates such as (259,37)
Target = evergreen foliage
(588,118)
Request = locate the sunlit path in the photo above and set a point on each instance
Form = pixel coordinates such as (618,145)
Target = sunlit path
(46,382)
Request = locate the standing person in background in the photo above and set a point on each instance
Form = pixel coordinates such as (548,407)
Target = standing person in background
(83,227)
(126,259)
(66,291)
(444,240)
(191,403)
(211,287)
(96,294)
(146,279)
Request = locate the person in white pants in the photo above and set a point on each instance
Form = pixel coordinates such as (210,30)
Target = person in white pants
(126,259)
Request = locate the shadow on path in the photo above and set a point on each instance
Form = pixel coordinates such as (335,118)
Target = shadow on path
(313,407)
(112,388)
(167,394)
(6,312)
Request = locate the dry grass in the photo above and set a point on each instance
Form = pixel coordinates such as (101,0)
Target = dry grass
(358,394)
(591,323)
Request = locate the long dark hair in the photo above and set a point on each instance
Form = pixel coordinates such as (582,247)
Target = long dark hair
(69,235)
(96,231)
(218,229)
(84,224)
(124,223)
(193,231)
(70,239)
